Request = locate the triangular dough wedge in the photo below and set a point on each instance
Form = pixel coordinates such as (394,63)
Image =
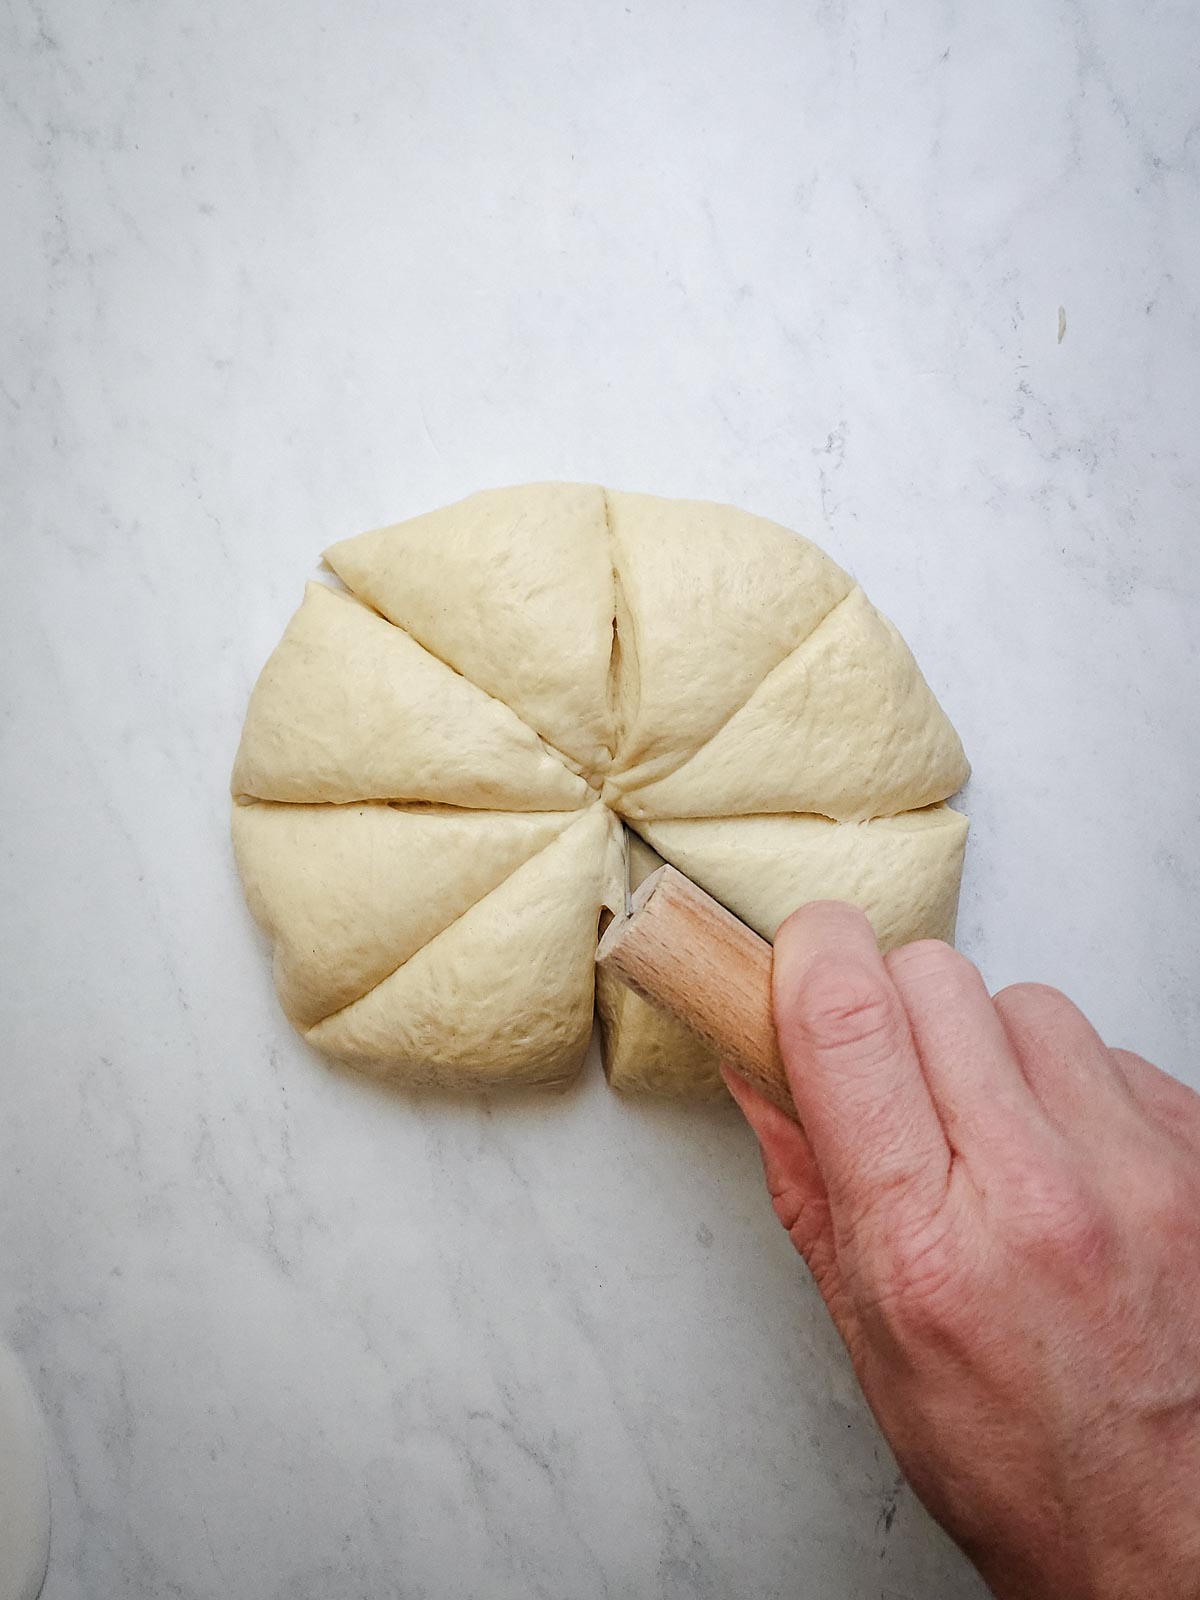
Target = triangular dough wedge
(504,995)
(902,871)
(710,599)
(646,1051)
(351,708)
(349,893)
(845,726)
(514,588)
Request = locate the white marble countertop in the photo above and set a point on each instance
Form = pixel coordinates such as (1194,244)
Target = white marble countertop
(274,273)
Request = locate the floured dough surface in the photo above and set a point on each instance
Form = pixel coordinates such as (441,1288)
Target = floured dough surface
(438,767)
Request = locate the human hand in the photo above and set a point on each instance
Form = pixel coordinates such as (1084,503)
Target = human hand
(1003,1218)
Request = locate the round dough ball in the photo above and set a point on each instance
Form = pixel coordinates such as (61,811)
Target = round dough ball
(441,770)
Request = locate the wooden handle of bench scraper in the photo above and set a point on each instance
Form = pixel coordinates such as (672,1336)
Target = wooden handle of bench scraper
(685,953)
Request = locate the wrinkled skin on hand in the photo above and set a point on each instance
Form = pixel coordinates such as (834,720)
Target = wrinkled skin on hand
(1003,1217)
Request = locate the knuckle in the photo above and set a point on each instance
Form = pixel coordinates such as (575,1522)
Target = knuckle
(841,1005)
(1031,999)
(1130,1061)
(1176,1103)
(1053,1217)
(929,961)
(1166,1201)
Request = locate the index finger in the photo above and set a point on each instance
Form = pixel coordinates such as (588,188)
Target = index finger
(853,1067)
